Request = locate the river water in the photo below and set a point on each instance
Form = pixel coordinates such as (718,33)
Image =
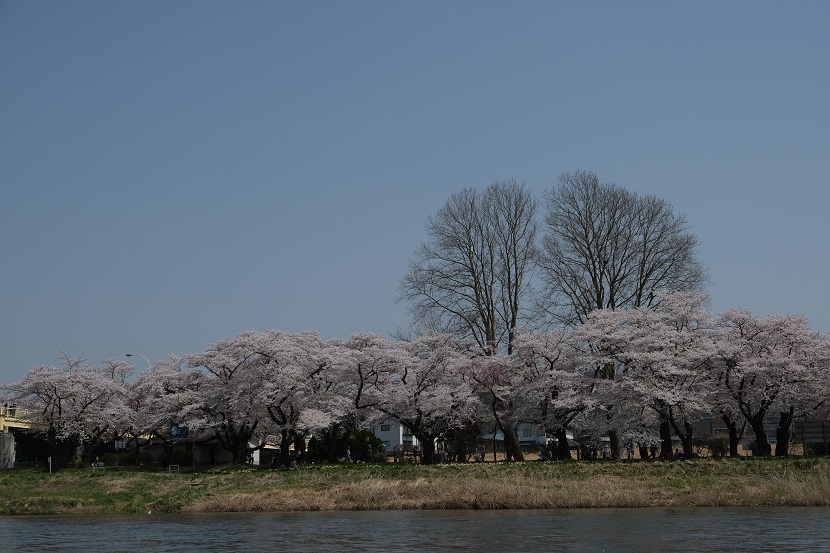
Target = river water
(798,529)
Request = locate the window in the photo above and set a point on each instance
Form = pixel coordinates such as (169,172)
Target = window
(384,428)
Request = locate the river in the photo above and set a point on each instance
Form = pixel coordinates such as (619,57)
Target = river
(790,529)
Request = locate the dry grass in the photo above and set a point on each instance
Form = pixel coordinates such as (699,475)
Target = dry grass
(704,482)
(698,483)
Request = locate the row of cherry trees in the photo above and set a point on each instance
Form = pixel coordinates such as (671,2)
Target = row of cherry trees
(645,373)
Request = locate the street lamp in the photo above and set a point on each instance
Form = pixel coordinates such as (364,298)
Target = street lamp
(139,355)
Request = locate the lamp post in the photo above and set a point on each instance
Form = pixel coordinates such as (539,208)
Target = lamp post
(139,355)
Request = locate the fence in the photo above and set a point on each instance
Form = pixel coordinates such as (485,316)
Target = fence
(813,433)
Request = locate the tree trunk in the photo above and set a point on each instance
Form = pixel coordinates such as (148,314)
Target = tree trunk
(609,372)
(240,456)
(762,445)
(299,445)
(734,435)
(512,449)
(686,435)
(688,441)
(334,439)
(782,434)
(285,445)
(563,449)
(643,452)
(166,454)
(235,440)
(665,439)
(616,444)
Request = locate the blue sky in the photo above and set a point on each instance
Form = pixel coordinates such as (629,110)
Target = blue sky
(175,172)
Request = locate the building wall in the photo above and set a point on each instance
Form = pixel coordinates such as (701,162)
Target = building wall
(6,450)
(531,435)
(392,433)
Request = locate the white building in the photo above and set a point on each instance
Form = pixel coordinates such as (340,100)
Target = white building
(392,433)
(531,435)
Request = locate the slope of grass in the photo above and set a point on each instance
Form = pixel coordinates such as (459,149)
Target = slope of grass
(702,482)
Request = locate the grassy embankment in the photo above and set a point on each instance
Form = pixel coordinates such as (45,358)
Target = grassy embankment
(702,482)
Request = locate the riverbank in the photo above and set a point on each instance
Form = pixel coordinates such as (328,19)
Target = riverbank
(532,485)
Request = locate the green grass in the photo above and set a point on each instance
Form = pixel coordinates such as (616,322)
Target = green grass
(701,482)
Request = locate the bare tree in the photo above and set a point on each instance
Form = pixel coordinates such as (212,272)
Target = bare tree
(607,247)
(471,277)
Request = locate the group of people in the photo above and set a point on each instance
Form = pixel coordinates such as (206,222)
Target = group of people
(646,452)
(549,452)
(295,460)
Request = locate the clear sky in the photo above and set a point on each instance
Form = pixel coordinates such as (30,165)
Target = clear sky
(175,172)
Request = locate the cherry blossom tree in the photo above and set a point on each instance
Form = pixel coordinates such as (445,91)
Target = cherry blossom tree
(74,405)
(661,354)
(808,357)
(346,393)
(553,389)
(670,352)
(496,380)
(297,389)
(770,366)
(117,370)
(364,359)
(228,400)
(724,406)
(269,383)
(421,388)
(351,394)
(167,395)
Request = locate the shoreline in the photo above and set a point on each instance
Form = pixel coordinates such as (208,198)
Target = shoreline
(744,482)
